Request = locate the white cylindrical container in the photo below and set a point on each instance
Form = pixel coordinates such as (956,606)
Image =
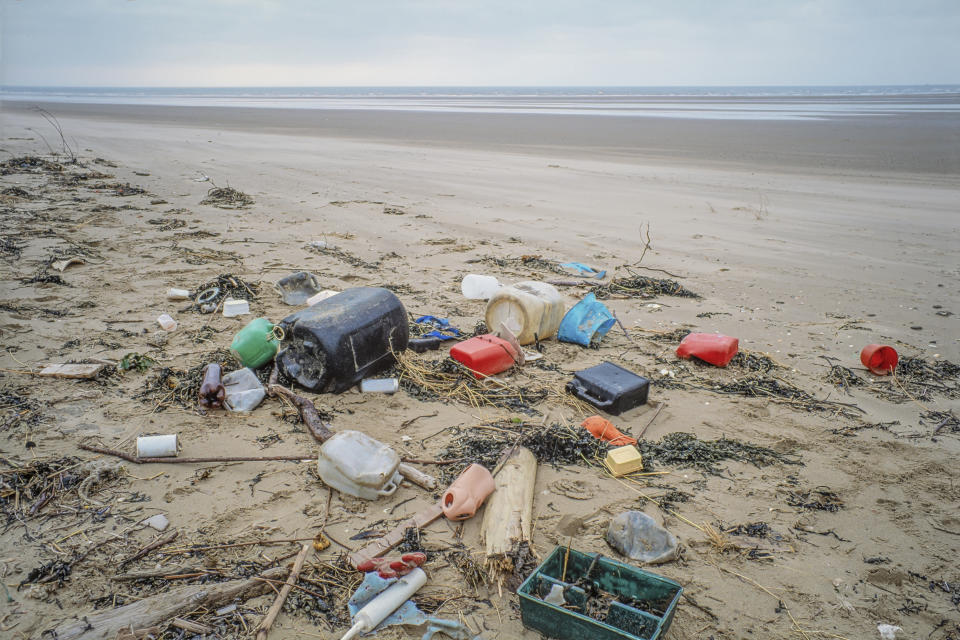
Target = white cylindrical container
(157,446)
(379,385)
(166,322)
(386,602)
(178,294)
(479,287)
(530,310)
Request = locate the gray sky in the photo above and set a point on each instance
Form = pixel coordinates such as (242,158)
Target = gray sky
(491,42)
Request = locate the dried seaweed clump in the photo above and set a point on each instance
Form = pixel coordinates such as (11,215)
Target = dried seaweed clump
(638,286)
(17,407)
(227,198)
(686,450)
(28,164)
(525,261)
(555,445)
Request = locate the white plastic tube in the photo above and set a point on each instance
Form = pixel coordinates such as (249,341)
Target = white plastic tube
(166,322)
(178,294)
(157,446)
(386,603)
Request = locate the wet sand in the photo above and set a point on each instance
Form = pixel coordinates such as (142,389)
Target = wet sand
(805,239)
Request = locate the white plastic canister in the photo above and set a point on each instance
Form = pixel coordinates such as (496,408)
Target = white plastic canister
(526,308)
(356,464)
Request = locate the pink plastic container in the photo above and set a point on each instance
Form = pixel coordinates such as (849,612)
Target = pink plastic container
(467,493)
(485,355)
(879,358)
(714,348)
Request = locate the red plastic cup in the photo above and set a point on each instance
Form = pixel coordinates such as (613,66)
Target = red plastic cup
(879,358)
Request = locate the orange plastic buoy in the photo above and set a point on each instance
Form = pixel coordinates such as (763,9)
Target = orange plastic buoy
(603,429)
(879,358)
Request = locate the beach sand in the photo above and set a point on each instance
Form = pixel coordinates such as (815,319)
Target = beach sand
(807,240)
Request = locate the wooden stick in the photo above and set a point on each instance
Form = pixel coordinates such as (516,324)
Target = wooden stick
(647,426)
(308,411)
(156,544)
(136,460)
(238,544)
(155,610)
(417,477)
(274,611)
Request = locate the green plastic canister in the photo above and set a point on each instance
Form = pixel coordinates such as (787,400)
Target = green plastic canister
(255,344)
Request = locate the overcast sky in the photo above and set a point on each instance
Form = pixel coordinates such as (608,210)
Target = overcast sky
(483,42)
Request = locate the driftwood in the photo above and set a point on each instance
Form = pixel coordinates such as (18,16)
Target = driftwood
(70,371)
(156,544)
(508,517)
(274,611)
(417,477)
(134,459)
(308,412)
(160,608)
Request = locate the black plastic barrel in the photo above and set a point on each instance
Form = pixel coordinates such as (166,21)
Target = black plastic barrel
(332,345)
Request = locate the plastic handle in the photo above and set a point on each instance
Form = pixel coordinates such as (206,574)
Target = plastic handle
(582,391)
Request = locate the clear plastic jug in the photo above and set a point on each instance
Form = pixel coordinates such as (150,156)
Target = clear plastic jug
(526,308)
(354,463)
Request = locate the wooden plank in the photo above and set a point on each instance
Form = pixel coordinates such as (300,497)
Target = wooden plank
(80,371)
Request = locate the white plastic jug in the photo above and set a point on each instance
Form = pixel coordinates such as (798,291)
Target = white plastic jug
(478,287)
(354,463)
(526,308)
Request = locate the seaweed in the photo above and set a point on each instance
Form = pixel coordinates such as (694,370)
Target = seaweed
(29,164)
(205,256)
(17,407)
(227,198)
(526,261)
(10,247)
(686,450)
(817,499)
(118,189)
(753,529)
(343,256)
(168,386)
(167,224)
(638,286)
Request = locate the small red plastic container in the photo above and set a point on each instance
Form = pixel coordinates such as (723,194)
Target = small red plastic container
(714,348)
(879,358)
(485,355)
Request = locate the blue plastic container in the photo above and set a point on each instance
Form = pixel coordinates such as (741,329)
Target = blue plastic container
(588,320)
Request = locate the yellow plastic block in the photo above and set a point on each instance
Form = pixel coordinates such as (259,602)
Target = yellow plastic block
(623,460)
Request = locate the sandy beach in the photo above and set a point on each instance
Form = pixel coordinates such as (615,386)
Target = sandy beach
(805,239)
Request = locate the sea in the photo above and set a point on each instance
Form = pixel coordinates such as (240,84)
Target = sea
(744,102)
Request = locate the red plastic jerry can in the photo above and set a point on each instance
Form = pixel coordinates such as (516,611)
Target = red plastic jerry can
(485,355)
(714,348)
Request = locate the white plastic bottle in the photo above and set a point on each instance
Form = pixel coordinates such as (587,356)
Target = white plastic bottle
(167,323)
(388,601)
(478,287)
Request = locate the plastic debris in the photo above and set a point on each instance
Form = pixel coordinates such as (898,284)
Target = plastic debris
(638,536)
(164,446)
(379,385)
(243,390)
(233,308)
(610,388)
(166,322)
(587,322)
(178,294)
(888,631)
(584,270)
(479,287)
(158,522)
(321,296)
(297,288)
(880,359)
(375,604)
(212,392)
(603,429)
(624,460)
(713,348)
(441,328)
(393,566)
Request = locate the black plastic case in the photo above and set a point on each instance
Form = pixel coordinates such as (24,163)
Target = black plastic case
(610,388)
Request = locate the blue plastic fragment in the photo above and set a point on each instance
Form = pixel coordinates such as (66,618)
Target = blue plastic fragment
(440,325)
(584,270)
(587,319)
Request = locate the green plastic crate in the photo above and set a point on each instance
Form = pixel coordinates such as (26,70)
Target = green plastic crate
(656,596)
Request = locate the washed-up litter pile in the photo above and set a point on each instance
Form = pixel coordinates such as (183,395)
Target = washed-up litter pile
(224,286)
(167,386)
(446,380)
